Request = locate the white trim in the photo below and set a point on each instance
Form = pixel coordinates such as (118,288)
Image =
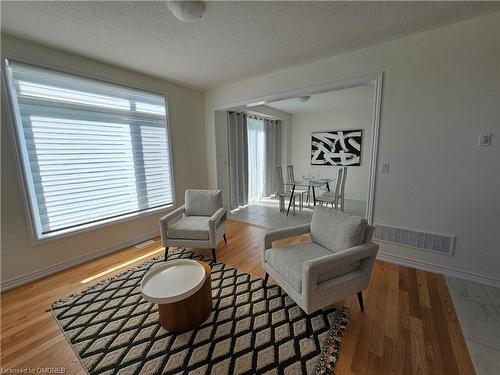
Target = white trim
(375,78)
(304,91)
(35,275)
(22,172)
(170,149)
(443,270)
(372,171)
(94,76)
(84,228)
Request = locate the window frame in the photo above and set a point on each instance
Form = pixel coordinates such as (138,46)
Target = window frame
(24,174)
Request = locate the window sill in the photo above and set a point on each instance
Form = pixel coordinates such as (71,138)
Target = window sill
(36,241)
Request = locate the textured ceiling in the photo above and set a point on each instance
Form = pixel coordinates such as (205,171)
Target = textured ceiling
(329,100)
(233,40)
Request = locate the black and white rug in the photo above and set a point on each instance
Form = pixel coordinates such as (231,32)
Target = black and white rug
(114,331)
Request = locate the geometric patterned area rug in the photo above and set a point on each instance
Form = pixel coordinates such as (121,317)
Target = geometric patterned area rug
(113,330)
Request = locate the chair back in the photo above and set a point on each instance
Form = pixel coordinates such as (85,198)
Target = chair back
(341,196)
(280,185)
(337,230)
(338,183)
(289,172)
(202,202)
(344,178)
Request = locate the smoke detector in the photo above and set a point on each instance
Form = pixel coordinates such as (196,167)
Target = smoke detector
(186,11)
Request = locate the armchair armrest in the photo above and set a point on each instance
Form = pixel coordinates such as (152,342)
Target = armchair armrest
(311,269)
(218,215)
(166,219)
(279,234)
(215,219)
(172,214)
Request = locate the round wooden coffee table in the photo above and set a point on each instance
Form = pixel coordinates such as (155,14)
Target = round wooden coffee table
(182,289)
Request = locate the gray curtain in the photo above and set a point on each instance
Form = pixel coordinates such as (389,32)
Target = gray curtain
(238,158)
(273,154)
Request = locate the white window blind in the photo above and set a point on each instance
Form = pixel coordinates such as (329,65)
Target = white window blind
(92,152)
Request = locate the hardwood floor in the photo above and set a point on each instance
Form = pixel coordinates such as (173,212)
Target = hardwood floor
(409,325)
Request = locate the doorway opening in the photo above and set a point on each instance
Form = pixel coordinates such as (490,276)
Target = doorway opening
(290,139)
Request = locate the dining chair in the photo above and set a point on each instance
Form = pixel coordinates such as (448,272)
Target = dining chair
(291,178)
(335,198)
(282,194)
(342,189)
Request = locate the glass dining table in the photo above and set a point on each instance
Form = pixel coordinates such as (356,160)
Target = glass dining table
(311,184)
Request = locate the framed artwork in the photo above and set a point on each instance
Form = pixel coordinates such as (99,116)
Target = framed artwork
(336,147)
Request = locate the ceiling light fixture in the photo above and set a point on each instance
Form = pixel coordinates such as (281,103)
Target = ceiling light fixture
(186,11)
(303,99)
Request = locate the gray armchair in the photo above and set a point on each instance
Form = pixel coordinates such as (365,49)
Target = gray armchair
(203,223)
(336,263)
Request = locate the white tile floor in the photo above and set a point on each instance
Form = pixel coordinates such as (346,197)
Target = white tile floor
(478,310)
(266,214)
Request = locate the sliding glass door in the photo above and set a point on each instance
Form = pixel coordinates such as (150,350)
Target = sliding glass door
(256,159)
(254,148)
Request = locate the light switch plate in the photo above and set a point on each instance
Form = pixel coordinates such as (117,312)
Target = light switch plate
(485,139)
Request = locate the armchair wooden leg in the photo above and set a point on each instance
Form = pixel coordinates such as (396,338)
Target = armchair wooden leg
(213,256)
(225,239)
(166,253)
(309,330)
(360,300)
(264,285)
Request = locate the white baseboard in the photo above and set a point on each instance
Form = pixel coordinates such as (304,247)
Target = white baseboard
(397,259)
(32,276)
(426,266)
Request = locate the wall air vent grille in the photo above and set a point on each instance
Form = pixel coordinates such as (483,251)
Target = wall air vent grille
(435,242)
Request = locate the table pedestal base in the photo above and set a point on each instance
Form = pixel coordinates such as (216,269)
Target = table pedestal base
(188,313)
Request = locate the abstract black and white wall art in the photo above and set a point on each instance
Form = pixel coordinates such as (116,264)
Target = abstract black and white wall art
(337,147)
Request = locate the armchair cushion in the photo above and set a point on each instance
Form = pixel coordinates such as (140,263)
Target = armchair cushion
(337,230)
(288,260)
(202,202)
(190,228)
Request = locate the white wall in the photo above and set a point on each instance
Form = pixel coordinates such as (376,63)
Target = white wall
(18,256)
(222,156)
(441,89)
(354,117)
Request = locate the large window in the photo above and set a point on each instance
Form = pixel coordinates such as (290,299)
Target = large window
(91,152)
